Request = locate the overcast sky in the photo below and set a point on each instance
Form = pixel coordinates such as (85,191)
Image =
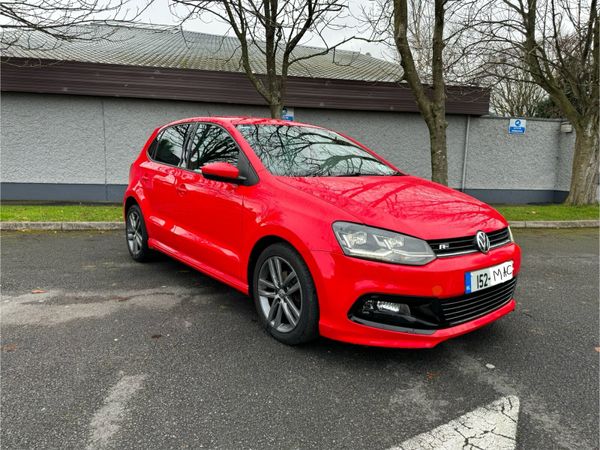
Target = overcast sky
(159,14)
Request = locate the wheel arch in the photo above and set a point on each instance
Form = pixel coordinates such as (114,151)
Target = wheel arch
(132,198)
(129,202)
(272,238)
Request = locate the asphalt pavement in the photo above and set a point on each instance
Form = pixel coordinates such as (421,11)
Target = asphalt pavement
(101,352)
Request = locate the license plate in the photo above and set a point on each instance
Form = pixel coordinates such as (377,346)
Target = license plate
(488,277)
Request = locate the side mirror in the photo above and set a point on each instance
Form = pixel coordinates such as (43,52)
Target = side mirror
(222,171)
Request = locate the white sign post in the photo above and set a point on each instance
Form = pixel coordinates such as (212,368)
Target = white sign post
(517,126)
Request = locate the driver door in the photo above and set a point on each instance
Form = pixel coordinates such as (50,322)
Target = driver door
(209,212)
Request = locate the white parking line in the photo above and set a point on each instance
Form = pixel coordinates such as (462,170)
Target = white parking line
(490,427)
(107,420)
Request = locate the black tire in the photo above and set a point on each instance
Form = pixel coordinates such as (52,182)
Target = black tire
(138,247)
(306,327)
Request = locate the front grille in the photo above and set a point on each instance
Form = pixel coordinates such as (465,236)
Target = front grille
(467,307)
(498,238)
(468,244)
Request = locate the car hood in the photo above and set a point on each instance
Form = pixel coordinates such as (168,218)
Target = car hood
(406,204)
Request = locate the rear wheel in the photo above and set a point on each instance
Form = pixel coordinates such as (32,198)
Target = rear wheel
(285,296)
(135,232)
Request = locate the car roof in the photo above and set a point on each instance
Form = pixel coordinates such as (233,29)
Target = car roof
(239,120)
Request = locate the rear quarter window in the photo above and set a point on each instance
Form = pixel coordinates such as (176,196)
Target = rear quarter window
(168,147)
(152,147)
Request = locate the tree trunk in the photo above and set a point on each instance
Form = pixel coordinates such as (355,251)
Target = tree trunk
(432,107)
(584,175)
(275,109)
(439,159)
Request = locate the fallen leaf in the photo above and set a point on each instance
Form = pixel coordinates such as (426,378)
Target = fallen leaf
(156,336)
(9,347)
(432,375)
(598,349)
(38,291)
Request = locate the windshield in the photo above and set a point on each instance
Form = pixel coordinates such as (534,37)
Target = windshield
(299,151)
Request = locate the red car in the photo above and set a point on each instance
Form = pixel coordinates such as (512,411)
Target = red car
(326,236)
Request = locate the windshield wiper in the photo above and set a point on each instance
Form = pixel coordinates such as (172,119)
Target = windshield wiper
(350,174)
(364,174)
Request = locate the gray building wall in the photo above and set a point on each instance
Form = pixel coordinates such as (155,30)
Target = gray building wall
(62,147)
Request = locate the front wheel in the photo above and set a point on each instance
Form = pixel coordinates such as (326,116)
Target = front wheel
(285,296)
(136,234)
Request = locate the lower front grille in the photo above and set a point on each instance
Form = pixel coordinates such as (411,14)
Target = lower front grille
(457,310)
(427,314)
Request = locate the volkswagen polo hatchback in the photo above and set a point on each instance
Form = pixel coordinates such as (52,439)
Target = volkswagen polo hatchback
(323,234)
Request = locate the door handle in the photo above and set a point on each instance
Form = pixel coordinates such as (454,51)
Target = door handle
(145,178)
(181,189)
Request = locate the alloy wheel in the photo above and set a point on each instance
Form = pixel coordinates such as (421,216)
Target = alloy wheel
(280,294)
(134,232)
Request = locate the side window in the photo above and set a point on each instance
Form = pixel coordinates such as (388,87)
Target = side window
(170,145)
(212,144)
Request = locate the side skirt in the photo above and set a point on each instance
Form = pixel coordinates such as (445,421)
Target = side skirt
(224,278)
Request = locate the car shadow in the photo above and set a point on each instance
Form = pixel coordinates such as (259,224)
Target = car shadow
(322,347)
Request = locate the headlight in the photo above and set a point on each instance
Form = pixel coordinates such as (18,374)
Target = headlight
(366,242)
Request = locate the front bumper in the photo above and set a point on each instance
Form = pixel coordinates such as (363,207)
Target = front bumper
(342,280)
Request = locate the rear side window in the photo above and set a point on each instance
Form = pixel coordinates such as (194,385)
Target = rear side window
(169,149)
(152,148)
(212,144)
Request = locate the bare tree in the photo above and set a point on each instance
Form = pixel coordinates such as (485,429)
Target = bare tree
(432,107)
(430,44)
(271,30)
(63,20)
(557,42)
(514,93)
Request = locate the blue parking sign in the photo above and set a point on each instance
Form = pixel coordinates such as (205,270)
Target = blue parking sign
(517,126)
(287,113)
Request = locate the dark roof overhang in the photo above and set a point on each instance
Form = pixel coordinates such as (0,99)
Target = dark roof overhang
(109,80)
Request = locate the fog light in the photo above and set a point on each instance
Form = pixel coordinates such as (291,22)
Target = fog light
(398,308)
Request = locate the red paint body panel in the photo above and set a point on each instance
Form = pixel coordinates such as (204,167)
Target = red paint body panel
(208,222)
(214,225)
(424,209)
